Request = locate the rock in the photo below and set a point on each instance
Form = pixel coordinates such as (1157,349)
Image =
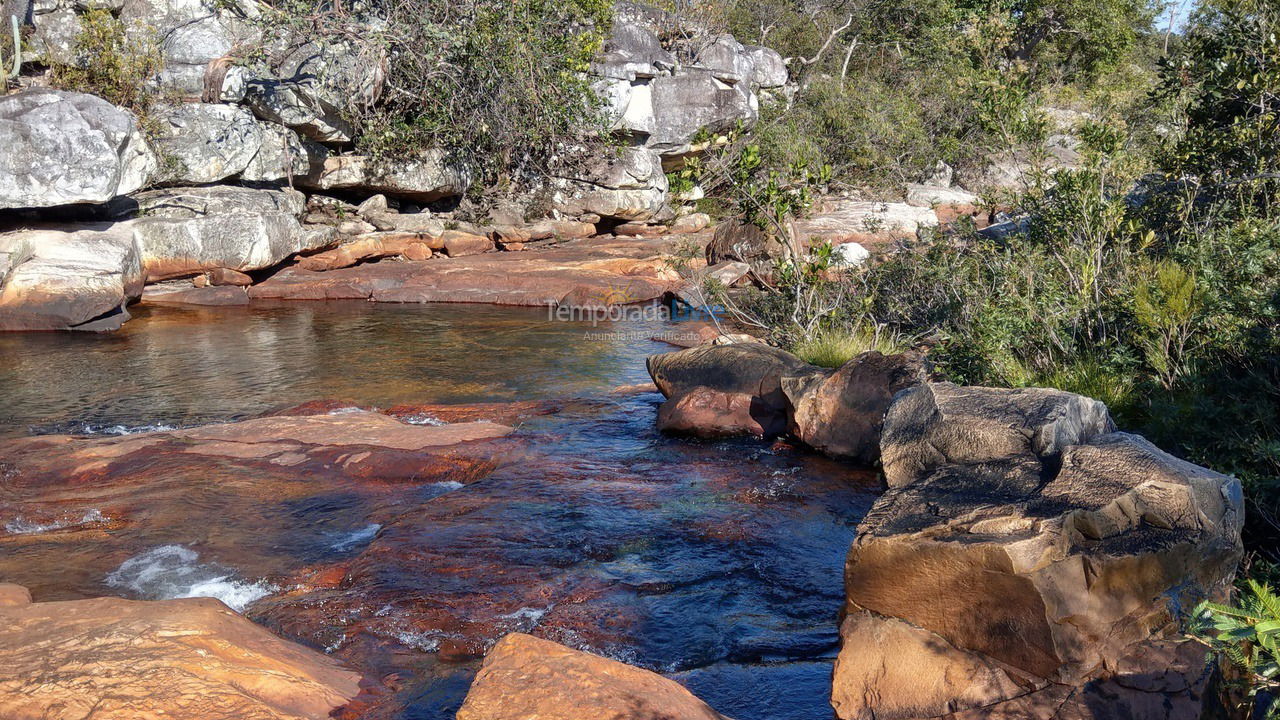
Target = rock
(373,205)
(639,229)
(65,147)
(736,241)
(459,244)
(941,424)
(940,175)
(203,143)
(280,156)
(192,294)
(192,658)
(630,186)
(706,413)
(770,70)
(852,254)
(313,83)
(688,104)
(372,246)
(866,223)
(691,223)
(1031,557)
(950,204)
(354,227)
(632,51)
(733,388)
(724,275)
(54,39)
(425,178)
(563,229)
(184,231)
(405,222)
(526,677)
(191,34)
(840,413)
(727,60)
(605,272)
(226,276)
(69,279)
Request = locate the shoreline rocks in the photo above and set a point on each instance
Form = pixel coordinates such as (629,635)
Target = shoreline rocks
(1027,560)
(525,677)
(192,658)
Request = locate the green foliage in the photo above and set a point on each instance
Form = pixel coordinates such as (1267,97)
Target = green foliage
(110,63)
(500,84)
(1247,636)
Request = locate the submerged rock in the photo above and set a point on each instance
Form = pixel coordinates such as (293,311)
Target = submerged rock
(79,279)
(67,147)
(526,677)
(1029,561)
(193,658)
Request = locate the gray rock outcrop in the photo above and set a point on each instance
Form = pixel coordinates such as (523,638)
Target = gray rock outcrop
(630,186)
(64,147)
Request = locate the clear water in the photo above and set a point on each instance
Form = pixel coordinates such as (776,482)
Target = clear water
(718,564)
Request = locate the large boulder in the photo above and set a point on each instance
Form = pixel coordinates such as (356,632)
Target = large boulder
(868,223)
(727,60)
(1030,564)
(769,69)
(185,231)
(628,186)
(840,412)
(68,280)
(65,147)
(526,677)
(193,658)
(724,390)
(190,34)
(695,102)
(632,51)
(204,143)
(944,424)
(428,176)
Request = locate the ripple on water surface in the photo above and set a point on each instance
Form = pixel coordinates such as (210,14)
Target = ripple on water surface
(719,563)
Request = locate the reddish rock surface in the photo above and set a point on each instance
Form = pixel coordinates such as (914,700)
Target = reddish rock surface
(182,294)
(526,677)
(840,413)
(120,659)
(707,413)
(599,273)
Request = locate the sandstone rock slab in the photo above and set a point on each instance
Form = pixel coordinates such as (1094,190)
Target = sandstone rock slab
(194,658)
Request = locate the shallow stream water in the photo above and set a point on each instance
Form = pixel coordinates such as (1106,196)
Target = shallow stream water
(718,564)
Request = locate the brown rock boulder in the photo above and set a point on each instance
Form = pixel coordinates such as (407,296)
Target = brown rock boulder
(731,389)
(706,413)
(941,423)
(195,659)
(840,412)
(524,677)
(460,244)
(1030,558)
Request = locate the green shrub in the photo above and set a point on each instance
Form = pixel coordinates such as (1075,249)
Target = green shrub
(111,64)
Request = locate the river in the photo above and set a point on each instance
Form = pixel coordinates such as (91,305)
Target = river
(716,563)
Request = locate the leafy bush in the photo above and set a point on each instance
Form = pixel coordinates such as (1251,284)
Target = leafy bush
(1247,637)
(111,64)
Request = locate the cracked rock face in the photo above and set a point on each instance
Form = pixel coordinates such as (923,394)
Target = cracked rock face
(62,148)
(185,231)
(630,186)
(1027,559)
